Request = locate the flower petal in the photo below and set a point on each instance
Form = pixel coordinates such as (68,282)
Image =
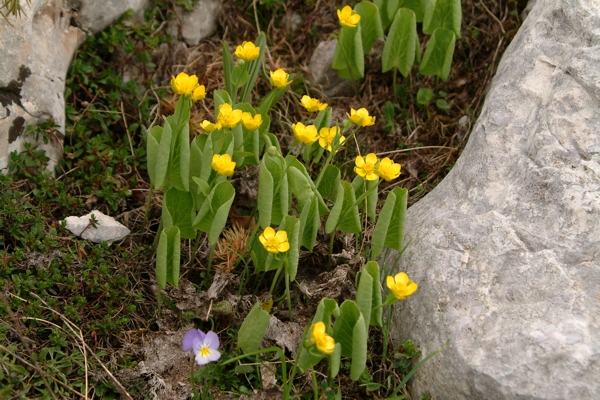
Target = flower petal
(282,236)
(371,158)
(211,340)
(188,339)
(401,278)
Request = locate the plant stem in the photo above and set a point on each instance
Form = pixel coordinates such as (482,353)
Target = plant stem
(210,258)
(289,296)
(315,384)
(275,279)
(148,204)
(386,334)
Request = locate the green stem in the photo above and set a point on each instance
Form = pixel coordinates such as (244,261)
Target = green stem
(148,205)
(289,296)
(315,384)
(331,240)
(158,232)
(275,279)
(210,258)
(386,334)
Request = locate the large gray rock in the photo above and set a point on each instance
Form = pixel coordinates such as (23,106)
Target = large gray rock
(200,22)
(94,16)
(506,249)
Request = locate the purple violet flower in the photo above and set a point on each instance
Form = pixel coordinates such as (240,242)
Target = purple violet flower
(204,345)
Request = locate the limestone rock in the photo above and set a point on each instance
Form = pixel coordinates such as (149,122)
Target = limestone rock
(94,16)
(106,229)
(199,23)
(322,72)
(36,49)
(506,250)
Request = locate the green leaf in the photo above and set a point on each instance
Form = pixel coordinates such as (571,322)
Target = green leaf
(239,76)
(230,87)
(309,224)
(359,189)
(202,186)
(300,186)
(370,24)
(349,58)
(277,197)
(399,49)
(364,296)
(334,361)
(266,185)
(180,206)
(152,145)
(344,214)
(438,54)
(387,11)
(179,167)
(442,14)
(168,257)
(418,6)
(424,96)
(293,162)
(163,154)
(330,181)
(213,214)
(359,349)
(253,329)
(372,268)
(325,310)
(343,329)
(254,68)
(271,98)
(391,224)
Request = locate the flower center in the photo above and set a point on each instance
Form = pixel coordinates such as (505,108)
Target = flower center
(204,351)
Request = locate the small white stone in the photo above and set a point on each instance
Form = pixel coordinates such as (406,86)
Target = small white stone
(107,229)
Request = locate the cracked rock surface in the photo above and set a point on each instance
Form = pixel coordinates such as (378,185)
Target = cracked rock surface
(506,250)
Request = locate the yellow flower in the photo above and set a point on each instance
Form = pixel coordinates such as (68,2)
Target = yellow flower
(401,286)
(251,123)
(388,169)
(305,134)
(223,164)
(247,51)
(184,84)
(327,136)
(348,17)
(312,105)
(361,117)
(274,242)
(279,78)
(228,117)
(199,93)
(208,126)
(325,343)
(366,167)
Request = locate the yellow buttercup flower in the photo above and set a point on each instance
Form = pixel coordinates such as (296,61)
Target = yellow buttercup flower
(388,169)
(279,78)
(199,93)
(223,164)
(312,105)
(274,242)
(401,286)
(305,134)
(247,51)
(366,167)
(208,126)
(348,17)
(318,336)
(361,117)
(251,123)
(228,117)
(327,136)
(184,84)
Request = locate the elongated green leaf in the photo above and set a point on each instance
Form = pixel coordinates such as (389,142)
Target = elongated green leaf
(254,68)
(359,348)
(263,260)
(309,357)
(370,24)
(330,181)
(207,155)
(292,227)
(180,206)
(239,76)
(418,6)
(309,224)
(300,186)
(383,222)
(372,268)
(265,195)
(395,236)
(344,214)
(442,14)
(238,145)
(399,49)
(152,144)
(325,310)
(271,98)
(438,54)
(213,214)
(253,329)
(387,11)
(163,156)
(168,257)
(179,167)
(292,162)
(227,72)
(343,329)
(323,119)
(349,58)
(364,296)
(334,361)
(222,142)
